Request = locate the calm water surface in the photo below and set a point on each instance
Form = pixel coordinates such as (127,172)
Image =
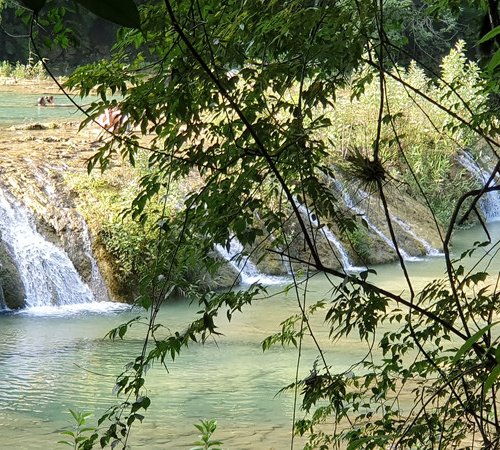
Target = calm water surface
(18,108)
(53,360)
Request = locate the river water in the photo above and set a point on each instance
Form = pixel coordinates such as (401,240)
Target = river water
(18,108)
(53,359)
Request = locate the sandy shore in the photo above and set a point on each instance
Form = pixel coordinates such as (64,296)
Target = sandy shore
(31,86)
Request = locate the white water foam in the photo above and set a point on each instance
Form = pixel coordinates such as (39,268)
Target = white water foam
(350,204)
(429,249)
(246,268)
(342,252)
(75,309)
(3,305)
(97,283)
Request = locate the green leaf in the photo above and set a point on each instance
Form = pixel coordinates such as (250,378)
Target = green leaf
(494,62)
(471,341)
(34,5)
(67,433)
(489,35)
(75,414)
(121,12)
(492,378)
(122,330)
(360,443)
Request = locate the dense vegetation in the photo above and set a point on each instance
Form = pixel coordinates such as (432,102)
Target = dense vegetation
(251,97)
(430,151)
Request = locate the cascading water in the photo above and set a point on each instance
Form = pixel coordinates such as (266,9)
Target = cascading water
(97,283)
(247,269)
(3,305)
(429,249)
(350,204)
(313,221)
(77,224)
(489,202)
(47,273)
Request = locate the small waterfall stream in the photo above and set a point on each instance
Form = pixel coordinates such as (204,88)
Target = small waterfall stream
(313,221)
(48,275)
(348,200)
(490,202)
(429,249)
(351,205)
(3,305)
(97,283)
(248,271)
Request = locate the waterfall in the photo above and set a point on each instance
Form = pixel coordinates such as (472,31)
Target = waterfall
(350,204)
(3,305)
(313,221)
(247,269)
(406,227)
(489,202)
(47,273)
(429,249)
(78,226)
(97,283)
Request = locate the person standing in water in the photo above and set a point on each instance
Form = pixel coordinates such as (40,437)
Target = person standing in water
(46,101)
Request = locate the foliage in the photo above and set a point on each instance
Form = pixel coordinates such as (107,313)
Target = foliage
(247,96)
(207,428)
(23,71)
(418,356)
(105,199)
(79,433)
(122,12)
(428,138)
(416,33)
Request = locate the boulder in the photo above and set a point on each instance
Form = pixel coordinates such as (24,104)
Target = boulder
(10,280)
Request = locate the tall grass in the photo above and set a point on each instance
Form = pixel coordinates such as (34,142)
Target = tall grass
(428,139)
(19,71)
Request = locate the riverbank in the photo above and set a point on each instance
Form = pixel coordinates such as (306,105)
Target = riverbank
(31,86)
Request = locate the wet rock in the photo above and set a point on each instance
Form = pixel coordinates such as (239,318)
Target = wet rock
(226,276)
(10,280)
